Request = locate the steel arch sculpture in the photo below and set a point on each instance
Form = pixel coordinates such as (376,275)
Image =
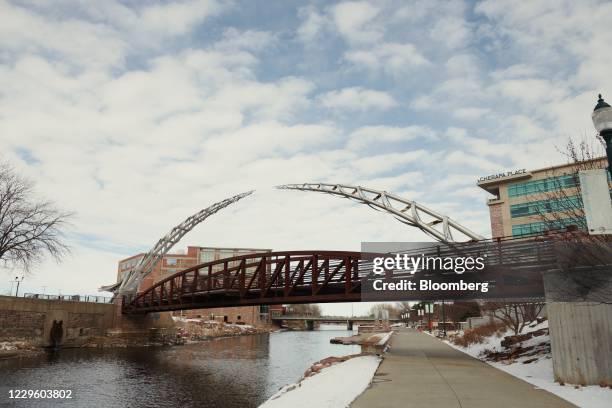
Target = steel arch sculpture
(132,278)
(407,211)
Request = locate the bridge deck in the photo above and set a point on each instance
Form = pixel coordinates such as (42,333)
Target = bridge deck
(513,270)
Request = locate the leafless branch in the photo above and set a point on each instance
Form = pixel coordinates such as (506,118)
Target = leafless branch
(29,228)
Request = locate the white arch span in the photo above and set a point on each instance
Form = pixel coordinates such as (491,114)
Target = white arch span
(132,278)
(439,226)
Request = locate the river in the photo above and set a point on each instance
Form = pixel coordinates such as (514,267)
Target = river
(226,372)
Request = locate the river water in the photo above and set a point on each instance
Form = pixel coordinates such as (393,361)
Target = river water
(228,372)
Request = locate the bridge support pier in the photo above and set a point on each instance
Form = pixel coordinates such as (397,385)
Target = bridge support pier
(349,325)
(139,326)
(310,324)
(579,312)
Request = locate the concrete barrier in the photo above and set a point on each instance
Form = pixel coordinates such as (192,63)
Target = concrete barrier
(43,322)
(580,324)
(32,320)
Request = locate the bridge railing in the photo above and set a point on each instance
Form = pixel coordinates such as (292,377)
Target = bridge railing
(279,275)
(335,276)
(70,298)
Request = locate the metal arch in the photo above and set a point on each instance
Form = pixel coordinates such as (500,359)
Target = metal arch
(132,278)
(407,211)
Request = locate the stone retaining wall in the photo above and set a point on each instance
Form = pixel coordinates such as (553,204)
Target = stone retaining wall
(32,319)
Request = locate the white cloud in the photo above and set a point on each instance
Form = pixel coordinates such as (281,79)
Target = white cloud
(386,162)
(357,98)
(470,113)
(177,18)
(452,32)
(254,40)
(72,41)
(369,136)
(354,21)
(313,23)
(390,58)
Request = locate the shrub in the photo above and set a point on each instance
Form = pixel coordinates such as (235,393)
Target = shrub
(478,334)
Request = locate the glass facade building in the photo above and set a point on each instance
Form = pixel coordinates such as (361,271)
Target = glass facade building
(529,202)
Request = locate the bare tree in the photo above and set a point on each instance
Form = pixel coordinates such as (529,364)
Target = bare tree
(305,309)
(515,315)
(29,228)
(460,311)
(393,309)
(560,210)
(560,204)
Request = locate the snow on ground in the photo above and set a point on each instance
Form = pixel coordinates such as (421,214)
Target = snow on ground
(242,327)
(382,338)
(185,319)
(540,373)
(323,390)
(7,346)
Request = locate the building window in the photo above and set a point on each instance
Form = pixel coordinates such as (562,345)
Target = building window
(546,206)
(543,186)
(264,308)
(206,255)
(171,261)
(533,228)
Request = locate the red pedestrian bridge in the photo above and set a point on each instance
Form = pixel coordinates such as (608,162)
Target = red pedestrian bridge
(513,270)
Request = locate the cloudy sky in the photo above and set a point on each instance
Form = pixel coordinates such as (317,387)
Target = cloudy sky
(136,114)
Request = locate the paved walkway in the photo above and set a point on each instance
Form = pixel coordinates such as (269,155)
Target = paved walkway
(421,371)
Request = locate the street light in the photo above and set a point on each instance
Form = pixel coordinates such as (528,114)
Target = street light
(18,282)
(602,120)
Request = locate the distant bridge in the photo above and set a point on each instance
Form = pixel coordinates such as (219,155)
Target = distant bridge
(310,320)
(327,319)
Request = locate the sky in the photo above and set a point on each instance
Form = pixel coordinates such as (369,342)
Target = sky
(134,115)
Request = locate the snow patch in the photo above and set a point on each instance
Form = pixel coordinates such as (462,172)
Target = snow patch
(7,346)
(323,390)
(540,372)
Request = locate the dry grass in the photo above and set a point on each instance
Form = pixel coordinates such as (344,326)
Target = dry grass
(478,334)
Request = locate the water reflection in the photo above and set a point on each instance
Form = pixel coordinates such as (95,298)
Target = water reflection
(230,372)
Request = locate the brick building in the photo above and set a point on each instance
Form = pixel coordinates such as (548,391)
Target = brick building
(175,262)
(528,202)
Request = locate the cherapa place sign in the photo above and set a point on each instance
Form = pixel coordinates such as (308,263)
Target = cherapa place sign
(502,175)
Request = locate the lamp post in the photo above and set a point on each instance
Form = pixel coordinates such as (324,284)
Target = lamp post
(18,282)
(602,120)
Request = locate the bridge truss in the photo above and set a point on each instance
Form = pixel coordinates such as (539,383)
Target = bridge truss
(409,212)
(513,271)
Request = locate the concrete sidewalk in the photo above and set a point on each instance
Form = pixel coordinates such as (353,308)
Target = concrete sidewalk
(421,371)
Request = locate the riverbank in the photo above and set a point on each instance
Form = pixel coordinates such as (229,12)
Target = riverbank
(10,349)
(201,329)
(319,386)
(185,331)
(325,390)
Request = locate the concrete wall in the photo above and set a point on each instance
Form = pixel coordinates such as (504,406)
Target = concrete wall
(32,320)
(579,310)
(581,340)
